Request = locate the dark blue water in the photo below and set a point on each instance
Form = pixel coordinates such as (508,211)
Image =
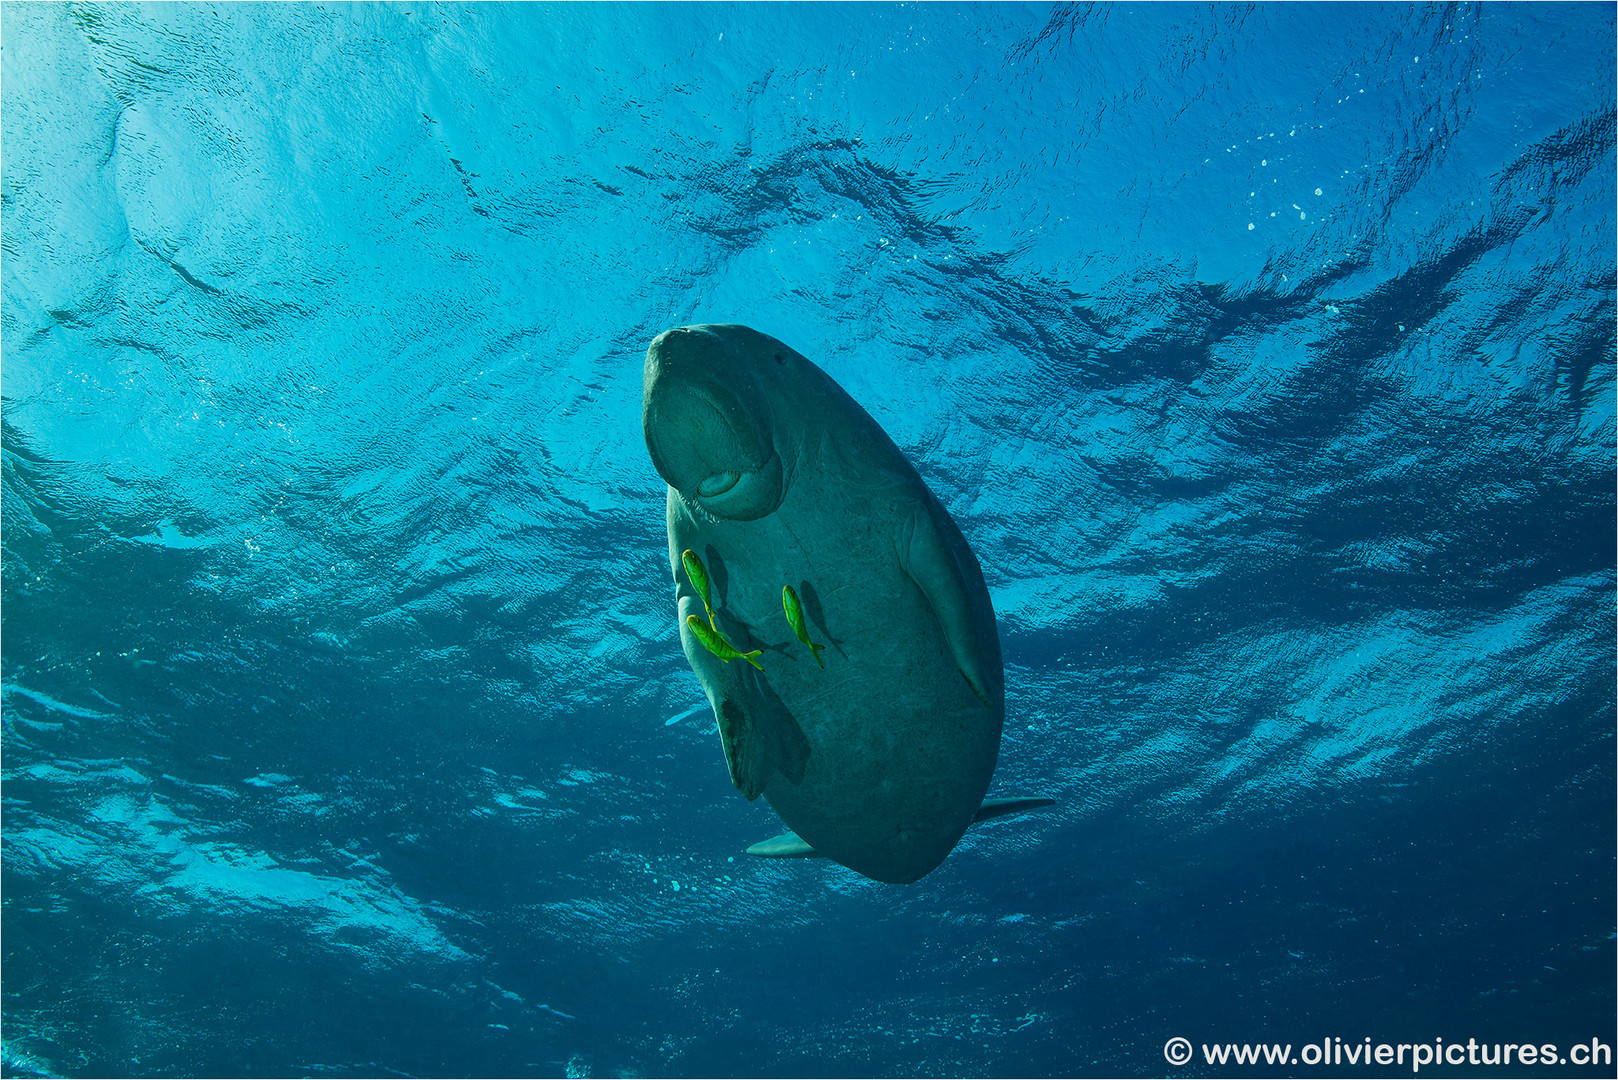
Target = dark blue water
(1265,356)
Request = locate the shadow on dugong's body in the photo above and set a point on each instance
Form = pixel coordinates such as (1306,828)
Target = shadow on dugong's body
(870,716)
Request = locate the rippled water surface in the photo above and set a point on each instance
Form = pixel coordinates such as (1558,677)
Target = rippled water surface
(1265,356)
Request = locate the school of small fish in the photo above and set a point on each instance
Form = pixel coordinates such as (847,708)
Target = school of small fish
(715,641)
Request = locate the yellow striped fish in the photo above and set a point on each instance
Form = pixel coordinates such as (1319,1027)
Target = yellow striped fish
(716,643)
(697,574)
(794,610)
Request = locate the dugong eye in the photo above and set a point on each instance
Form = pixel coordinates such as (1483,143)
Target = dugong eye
(717,484)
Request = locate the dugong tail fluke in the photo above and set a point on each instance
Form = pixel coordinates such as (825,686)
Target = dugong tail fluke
(993,808)
(789,845)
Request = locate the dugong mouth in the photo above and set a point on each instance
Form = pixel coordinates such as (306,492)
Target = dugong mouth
(707,425)
(742,496)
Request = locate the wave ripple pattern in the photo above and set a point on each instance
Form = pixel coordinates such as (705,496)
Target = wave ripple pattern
(1265,355)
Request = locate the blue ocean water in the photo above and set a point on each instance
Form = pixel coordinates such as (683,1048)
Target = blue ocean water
(1265,355)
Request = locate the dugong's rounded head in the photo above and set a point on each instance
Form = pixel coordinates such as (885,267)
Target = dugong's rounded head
(706,413)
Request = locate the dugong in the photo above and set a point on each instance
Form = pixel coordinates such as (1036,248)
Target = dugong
(880,758)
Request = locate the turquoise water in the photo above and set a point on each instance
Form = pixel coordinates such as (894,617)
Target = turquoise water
(1264,355)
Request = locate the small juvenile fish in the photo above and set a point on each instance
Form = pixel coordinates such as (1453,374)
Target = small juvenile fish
(794,610)
(716,643)
(698,575)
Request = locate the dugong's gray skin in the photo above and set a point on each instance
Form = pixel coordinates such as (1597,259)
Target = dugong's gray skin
(776,477)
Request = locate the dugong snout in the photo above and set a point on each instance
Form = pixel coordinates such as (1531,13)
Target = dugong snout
(707,427)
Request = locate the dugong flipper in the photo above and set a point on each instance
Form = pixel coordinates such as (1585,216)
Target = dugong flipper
(776,478)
